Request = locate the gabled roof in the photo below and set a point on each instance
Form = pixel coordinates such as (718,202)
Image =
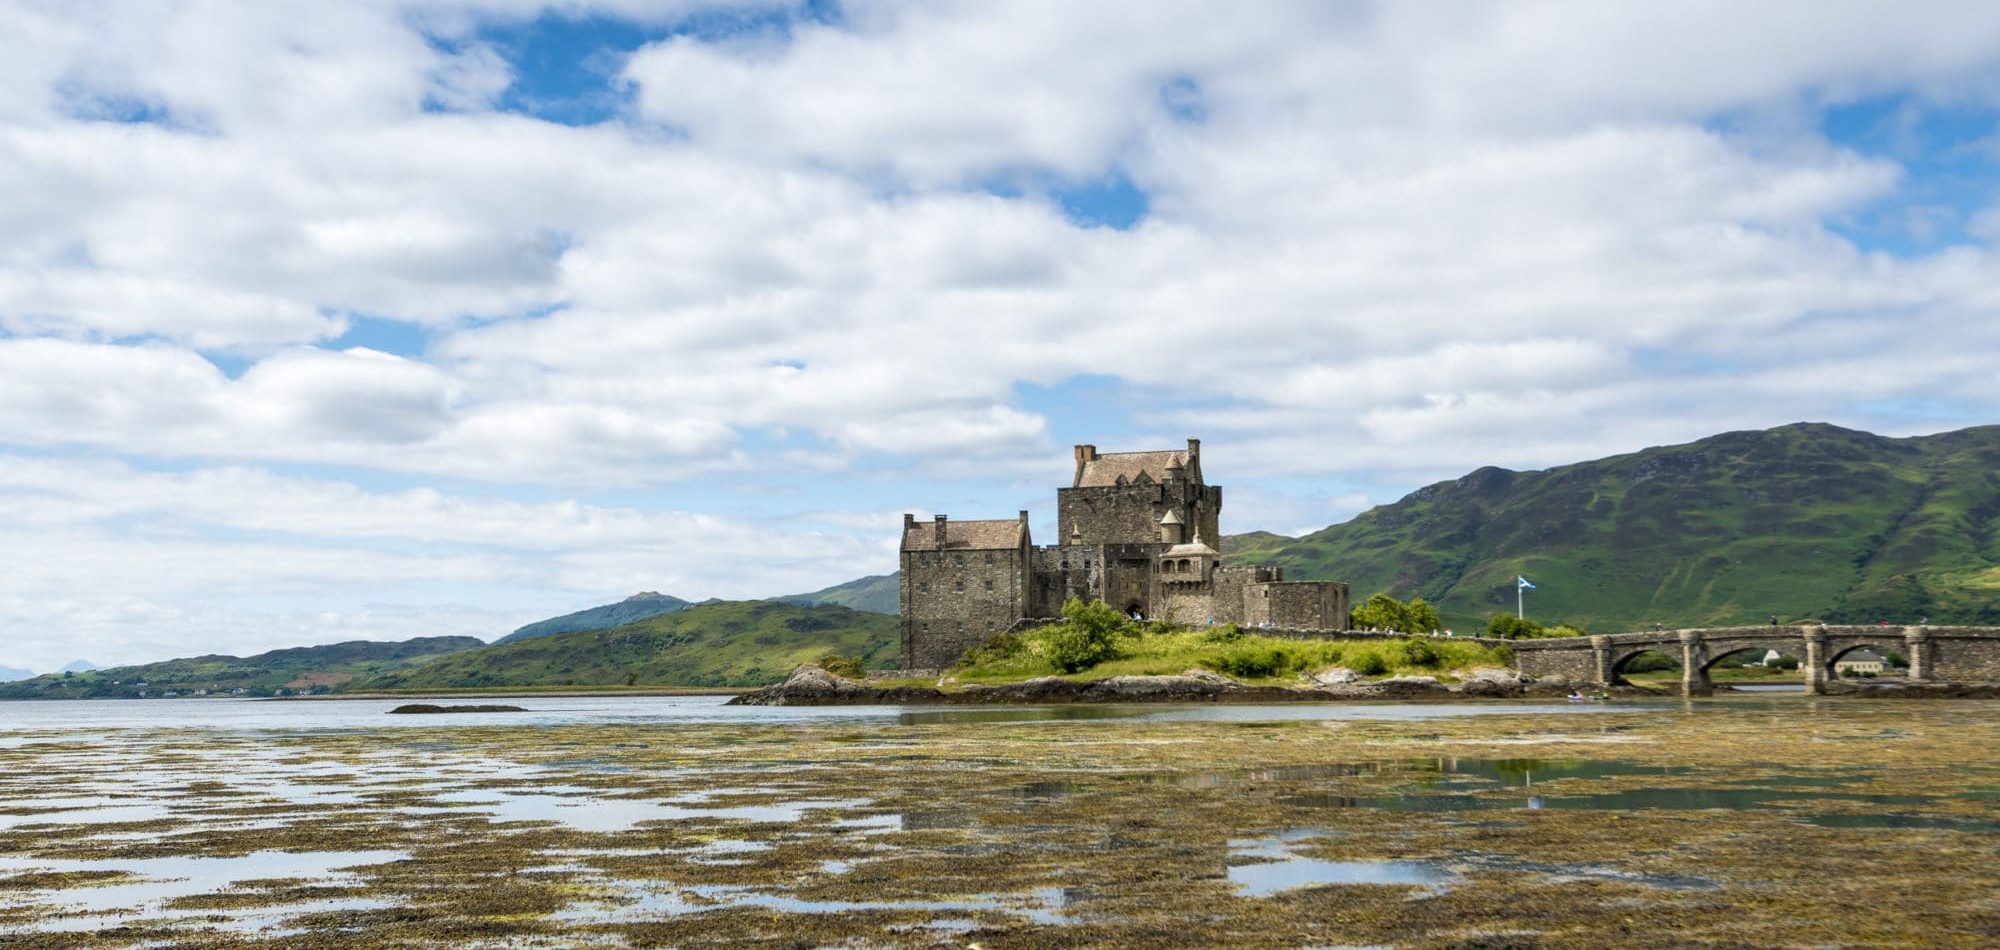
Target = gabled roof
(1001,535)
(1108,469)
(1863,655)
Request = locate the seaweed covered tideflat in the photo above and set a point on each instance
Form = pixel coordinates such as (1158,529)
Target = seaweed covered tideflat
(1728,822)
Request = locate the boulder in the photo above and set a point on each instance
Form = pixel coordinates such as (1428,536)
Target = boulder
(1336,676)
(1191,686)
(809,685)
(1488,681)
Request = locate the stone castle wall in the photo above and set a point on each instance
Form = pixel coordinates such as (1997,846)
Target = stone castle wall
(1130,514)
(1297,604)
(954,600)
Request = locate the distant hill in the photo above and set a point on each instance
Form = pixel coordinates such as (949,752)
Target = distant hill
(79,666)
(636,607)
(297,668)
(879,593)
(9,674)
(724,643)
(1801,521)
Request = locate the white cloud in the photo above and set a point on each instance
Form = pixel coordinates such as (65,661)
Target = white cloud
(1386,242)
(145,565)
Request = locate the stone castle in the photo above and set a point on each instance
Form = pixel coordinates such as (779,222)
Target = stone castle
(1137,533)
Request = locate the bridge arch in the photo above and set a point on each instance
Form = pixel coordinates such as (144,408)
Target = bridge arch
(1623,659)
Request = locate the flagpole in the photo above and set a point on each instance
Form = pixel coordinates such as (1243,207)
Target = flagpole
(1520,601)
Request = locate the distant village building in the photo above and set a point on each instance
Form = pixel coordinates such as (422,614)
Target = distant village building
(1137,531)
(1860,661)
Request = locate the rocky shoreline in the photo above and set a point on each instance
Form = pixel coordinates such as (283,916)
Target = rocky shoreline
(813,686)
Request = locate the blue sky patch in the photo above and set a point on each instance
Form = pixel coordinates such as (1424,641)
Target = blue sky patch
(1951,164)
(1110,202)
(388,336)
(566,68)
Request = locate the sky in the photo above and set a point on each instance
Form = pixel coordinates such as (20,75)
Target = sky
(379,319)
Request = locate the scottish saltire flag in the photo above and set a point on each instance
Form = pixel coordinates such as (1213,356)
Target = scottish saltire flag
(1524,585)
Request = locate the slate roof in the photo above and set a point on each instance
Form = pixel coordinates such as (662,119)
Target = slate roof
(1105,470)
(1003,535)
(1863,655)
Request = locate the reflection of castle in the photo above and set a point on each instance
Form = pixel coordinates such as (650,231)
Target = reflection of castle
(1136,529)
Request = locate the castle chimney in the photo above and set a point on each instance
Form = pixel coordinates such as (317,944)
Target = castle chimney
(909,521)
(1194,449)
(940,532)
(1085,454)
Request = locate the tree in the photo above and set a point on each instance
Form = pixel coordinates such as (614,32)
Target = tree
(1383,612)
(1422,617)
(1510,627)
(1088,635)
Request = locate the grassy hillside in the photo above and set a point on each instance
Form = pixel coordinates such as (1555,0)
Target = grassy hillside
(1805,520)
(298,668)
(636,607)
(735,643)
(879,593)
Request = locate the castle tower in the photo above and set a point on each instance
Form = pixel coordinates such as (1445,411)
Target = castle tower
(1118,498)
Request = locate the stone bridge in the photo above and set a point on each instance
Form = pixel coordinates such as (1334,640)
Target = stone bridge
(1942,654)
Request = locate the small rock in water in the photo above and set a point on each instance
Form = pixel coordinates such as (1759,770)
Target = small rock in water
(428,709)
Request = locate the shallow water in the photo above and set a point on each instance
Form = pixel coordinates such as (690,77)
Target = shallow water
(70,716)
(1260,867)
(679,821)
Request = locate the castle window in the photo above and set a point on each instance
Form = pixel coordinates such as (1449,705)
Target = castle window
(989,585)
(958,559)
(923,587)
(958,585)
(989,557)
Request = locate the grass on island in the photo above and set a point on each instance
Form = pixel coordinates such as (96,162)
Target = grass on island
(1094,642)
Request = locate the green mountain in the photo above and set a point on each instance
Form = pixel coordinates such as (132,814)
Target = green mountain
(879,593)
(296,669)
(636,607)
(1806,520)
(723,643)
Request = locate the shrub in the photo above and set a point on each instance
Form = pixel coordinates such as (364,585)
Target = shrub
(1253,660)
(1073,648)
(998,647)
(1784,663)
(1227,633)
(1383,612)
(1510,627)
(1419,653)
(839,665)
(1369,664)
(1088,636)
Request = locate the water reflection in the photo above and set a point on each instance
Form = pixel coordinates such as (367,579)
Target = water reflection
(1260,867)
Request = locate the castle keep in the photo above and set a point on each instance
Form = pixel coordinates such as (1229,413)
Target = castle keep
(1137,530)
